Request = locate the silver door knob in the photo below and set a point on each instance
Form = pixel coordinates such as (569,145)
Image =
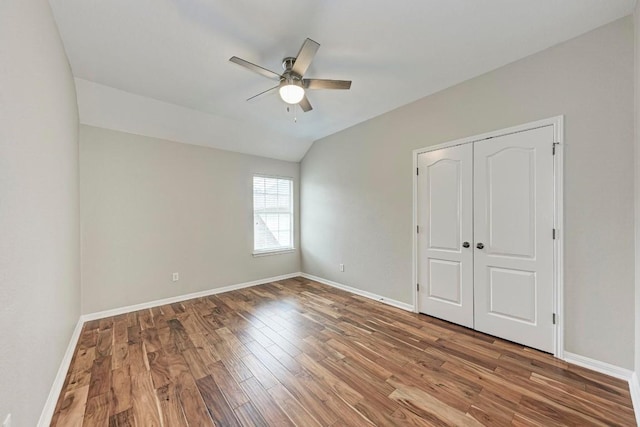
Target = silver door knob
(480,246)
(465,245)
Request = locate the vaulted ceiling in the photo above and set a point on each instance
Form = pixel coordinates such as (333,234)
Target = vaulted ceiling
(172,56)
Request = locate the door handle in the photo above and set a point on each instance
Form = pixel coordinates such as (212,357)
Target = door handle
(465,245)
(480,246)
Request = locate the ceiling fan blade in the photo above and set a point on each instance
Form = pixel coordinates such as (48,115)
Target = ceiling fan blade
(255,68)
(305,104)
(263,93)
(326,84)
(305,56)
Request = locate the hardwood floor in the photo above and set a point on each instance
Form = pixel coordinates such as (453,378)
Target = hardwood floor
(300,353)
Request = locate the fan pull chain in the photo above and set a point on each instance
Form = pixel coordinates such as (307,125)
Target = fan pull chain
(295,112)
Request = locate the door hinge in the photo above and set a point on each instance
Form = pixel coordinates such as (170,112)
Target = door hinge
(418,286)
(417,171)
(555,234)
(553,150)
(554,318)
(418,229)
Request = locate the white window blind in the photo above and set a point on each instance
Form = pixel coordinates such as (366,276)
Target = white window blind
(272,214)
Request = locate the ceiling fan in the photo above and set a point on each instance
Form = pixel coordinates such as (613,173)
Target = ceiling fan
(292,86)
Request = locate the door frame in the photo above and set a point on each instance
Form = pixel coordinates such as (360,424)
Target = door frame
(558,248)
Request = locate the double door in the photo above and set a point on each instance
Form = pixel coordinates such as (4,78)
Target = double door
(485,246)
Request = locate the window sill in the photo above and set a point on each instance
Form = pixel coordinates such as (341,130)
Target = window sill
(274,252)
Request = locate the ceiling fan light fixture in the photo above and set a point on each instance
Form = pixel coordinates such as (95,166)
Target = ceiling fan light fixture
(292,85)
(292,92)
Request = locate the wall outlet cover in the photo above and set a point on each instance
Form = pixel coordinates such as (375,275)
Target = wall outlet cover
(176,277)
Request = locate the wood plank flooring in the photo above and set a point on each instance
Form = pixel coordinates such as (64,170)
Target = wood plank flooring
(297,352)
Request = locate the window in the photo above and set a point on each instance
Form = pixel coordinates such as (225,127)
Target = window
(272,214)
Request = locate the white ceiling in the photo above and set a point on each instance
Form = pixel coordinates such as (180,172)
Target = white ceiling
(177,51)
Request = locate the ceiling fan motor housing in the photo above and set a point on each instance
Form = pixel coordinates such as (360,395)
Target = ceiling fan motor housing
(287,63)
(289,77)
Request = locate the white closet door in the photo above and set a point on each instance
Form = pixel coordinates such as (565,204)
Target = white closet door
(513,224)
(445,254)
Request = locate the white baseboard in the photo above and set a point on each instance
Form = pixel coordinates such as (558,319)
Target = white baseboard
(634,389)
(58,382)
(376,297)
(613,371)
(598,366)
(184,297)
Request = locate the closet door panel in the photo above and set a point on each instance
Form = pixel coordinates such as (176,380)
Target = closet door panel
(513,224)
(445,265)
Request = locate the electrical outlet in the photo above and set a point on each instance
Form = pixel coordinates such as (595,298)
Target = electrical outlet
(176,277)
(342,267)
(7,421)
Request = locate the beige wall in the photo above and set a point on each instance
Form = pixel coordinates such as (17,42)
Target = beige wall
(151,207)
(39,215)
(364,175)
(637,189)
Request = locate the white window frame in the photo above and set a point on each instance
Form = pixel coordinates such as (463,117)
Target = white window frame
(280,250)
